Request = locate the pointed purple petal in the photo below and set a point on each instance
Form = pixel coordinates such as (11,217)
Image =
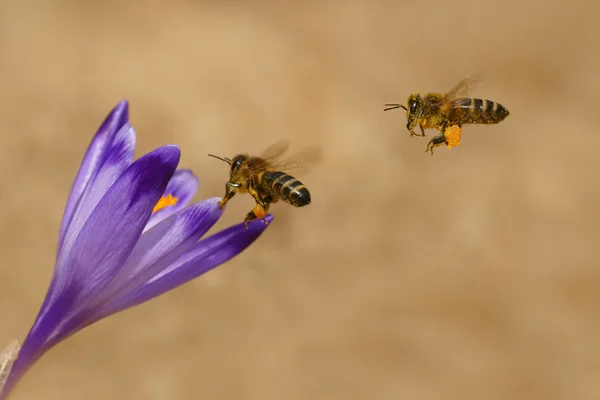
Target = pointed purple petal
(93,159)
(105,242)
(201,258)
(162,245)
(183,187)
(111,232)
(117,158)
(114,228)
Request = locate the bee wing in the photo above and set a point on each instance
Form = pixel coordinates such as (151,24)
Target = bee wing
(299,162)
(275,150)
(462,89)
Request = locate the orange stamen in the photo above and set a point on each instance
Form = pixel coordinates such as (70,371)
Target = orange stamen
(165,201)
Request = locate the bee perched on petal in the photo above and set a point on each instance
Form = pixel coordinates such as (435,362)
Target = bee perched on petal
(453,109)
(128,235)
(267,178)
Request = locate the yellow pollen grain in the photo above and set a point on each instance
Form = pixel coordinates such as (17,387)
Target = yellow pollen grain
(452,135)
(165,201)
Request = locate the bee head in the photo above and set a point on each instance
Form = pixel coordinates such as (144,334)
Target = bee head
(413,110)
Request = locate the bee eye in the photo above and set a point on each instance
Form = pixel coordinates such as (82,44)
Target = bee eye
(413,106)
(236,164)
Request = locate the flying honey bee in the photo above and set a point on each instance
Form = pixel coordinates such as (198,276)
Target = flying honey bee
(452,109)
(266,178)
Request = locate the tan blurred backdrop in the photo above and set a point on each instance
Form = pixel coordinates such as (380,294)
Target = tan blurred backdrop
(472,274)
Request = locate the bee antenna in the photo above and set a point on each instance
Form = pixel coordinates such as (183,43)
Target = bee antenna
(393,107)
(227,160)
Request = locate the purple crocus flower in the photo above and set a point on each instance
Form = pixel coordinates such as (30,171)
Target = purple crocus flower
(127,236)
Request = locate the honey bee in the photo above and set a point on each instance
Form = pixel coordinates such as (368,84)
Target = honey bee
(266,178)
(452,109)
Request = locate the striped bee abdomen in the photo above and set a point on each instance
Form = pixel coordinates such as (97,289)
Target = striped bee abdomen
(480,111)
(288,188)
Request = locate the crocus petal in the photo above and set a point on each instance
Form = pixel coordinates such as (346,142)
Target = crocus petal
(94,159)
(201,258)
(109,236)
(117,157)
(162,245)
(109,154)
(182,188)
(114,228)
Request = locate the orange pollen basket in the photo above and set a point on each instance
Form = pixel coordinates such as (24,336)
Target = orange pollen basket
(165,201)
(452,134)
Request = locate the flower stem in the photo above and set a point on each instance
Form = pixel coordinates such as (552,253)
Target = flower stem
(7,358)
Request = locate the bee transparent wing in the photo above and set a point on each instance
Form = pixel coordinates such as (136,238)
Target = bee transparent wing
(275,150)
(462,89)
(300,162)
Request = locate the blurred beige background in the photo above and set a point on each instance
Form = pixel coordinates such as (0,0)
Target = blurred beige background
(472,274)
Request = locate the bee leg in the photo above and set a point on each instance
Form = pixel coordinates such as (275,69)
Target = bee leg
(437,140)
(412,133)
(429,147)
(261,208)
(229,193)
(259,212)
